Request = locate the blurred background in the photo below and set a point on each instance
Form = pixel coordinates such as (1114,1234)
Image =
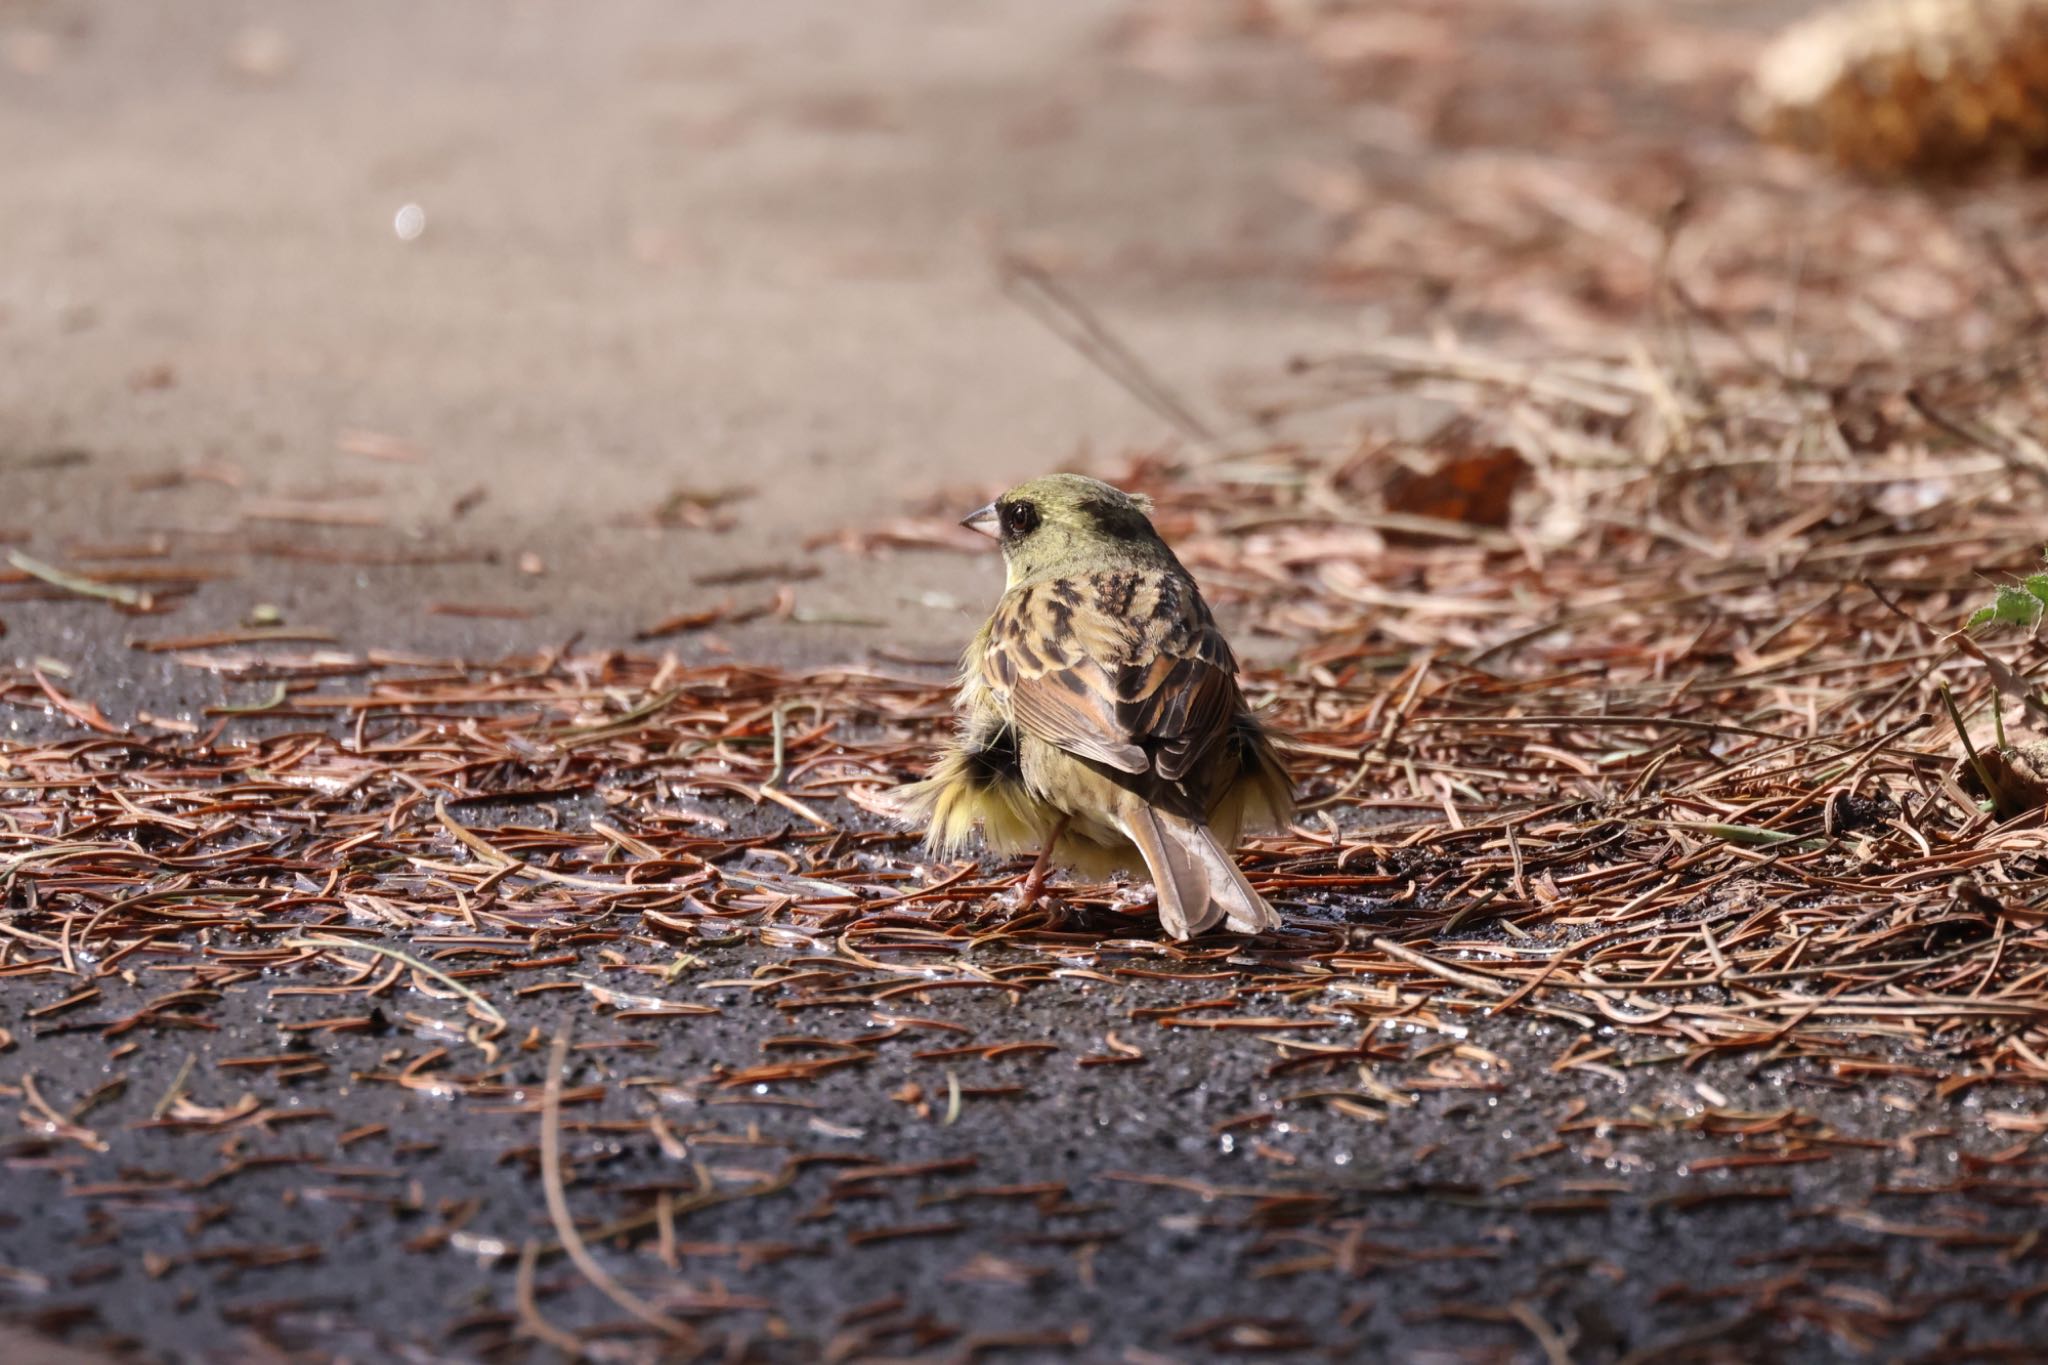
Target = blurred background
(447,289)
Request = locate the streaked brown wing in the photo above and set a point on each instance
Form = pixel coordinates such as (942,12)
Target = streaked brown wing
(1046,664)
(1124,667)
(1179,707)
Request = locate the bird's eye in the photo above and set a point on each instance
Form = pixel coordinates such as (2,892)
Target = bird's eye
(1019,519)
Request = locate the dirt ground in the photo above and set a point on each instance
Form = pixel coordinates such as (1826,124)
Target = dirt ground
(445,333)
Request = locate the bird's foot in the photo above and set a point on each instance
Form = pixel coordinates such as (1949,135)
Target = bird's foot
(1033,889)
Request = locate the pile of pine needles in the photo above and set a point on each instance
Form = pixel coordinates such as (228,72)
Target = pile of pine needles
(1620,706)
(1668,751)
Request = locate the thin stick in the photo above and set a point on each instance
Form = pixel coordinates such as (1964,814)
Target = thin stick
(531,1321)
(84,587)
(317,941)
(1469,980)
(499,858)
(565,1225)
(177,1088)
(1034,289)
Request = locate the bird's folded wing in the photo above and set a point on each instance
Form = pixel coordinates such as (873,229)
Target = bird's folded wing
(1125,668)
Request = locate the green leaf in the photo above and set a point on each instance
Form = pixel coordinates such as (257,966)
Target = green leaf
(2012,607)
(2037,585)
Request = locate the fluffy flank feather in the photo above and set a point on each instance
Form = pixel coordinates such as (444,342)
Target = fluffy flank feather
(1095,860)
(958,798)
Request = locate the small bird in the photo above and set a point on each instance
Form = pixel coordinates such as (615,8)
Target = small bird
(1100,719)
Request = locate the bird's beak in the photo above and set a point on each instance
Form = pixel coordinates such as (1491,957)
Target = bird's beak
(983,519)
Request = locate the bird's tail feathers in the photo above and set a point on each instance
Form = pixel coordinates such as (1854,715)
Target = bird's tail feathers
(1242,908)
(1179,872)
(1198,881)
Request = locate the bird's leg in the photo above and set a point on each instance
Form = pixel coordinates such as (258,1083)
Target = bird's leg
(1034,880)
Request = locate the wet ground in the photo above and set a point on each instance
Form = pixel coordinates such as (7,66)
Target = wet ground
(805,1117)
(1187,1205)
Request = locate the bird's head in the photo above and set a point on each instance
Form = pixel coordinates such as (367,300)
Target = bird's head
(1068,524)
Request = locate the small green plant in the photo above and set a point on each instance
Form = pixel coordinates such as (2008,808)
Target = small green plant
(2018,604)
(2013,776)
(2021,604)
